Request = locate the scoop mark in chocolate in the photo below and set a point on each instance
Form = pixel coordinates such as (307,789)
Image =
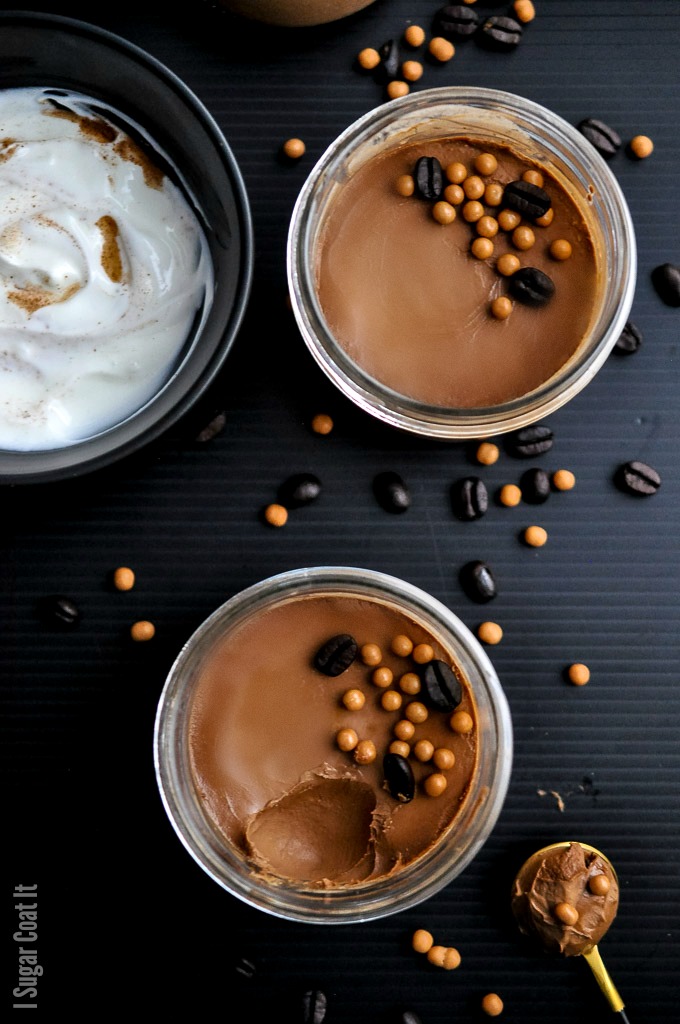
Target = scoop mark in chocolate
(57,609)
(336,655)
(391,492)
(531,286)
(399,777)
(638,478)
(535,486)
(500,33)
(455,22)
(478,581)
(299,489)
(429,178)
(629,340)
(666,281)
(528,199)
(441,686)
(469,498)
(600,135)
(314,1005)
(530,441)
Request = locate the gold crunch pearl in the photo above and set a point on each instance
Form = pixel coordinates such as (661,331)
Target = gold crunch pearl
(422,941)
(322,423)
(405,185)
(365,752)
(410,683)
(535,536)
(501,308)
(444,759)
(416,712)
(510,495)
(402,645)
(436,954)
(566,913)
(641,146)
(404,730)
(435,784)
(353,700)
(399,747)
(456,172)
(391,700)
(424,750)
(369,58)
(441,49)
(443,212)
(422,653)
(473,211)
(493,194)
(490,633)
(383,676)
(142,631)
(482,248)
(508,219)
(461,722)
(487,226)
(451,959)
(486,163)
(276,515)
(412,70)
(546,220)
(487,453)
(454,194)
(599,885)
(294,148)
(533,177)
(347,739)
(560,249)
(371,654)
(507,264)
(397,89)
(492,1004)
(579,674)
(473,187)
(123,578)
(563,479)
(414,36)
(523,237)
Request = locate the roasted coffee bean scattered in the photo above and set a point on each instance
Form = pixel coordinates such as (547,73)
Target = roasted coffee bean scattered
(666,281)
(57,609)
(299,489)
(336,655)
(530,441)
(605,140)
(441,686)
(638,478)
(455,21)
(212,429)
(246,968)
(629,340)
(391,492)
(399,777)
(314,1006)
(422,940)
(477,580)
(429,178)
(469,498)
(526,198)
(390,60)
(531,286)
(500,33)
(535,486)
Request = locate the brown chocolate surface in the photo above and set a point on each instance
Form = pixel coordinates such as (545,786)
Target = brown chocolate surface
(265,762)
(561,875)
(410,305)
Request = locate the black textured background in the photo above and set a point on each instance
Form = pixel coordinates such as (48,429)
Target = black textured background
(128,922)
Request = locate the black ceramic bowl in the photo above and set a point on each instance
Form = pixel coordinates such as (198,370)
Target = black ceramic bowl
(46,50)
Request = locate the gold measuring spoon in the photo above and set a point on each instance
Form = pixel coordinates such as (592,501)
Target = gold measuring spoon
(566,896)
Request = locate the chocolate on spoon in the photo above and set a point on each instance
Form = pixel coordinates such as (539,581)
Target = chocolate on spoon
(566,896)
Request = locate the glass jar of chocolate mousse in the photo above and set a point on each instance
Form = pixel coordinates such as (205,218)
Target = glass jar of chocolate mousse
(461,262)
(333,745)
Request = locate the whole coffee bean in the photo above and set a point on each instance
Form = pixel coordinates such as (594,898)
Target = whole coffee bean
(531,286)
(246,968)
(59,610)
(441,687)
(212,429)
(336,655)
(638,478)
(528,199)
(409,1017)
(605,140)
(469,498)
(391,492)
(478,581)
(666,281)
(535,486)
(399,777)
(629,340)
(529,441)
(429,178)
(499,33)
(299,489)
(455,21)
(390,60)
(314,1005)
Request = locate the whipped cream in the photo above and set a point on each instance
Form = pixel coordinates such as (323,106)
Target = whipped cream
(104,269)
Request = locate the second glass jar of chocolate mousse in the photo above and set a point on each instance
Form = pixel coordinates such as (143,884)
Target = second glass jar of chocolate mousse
(461,262)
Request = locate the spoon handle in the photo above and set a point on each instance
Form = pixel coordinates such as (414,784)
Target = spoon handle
(604,981)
